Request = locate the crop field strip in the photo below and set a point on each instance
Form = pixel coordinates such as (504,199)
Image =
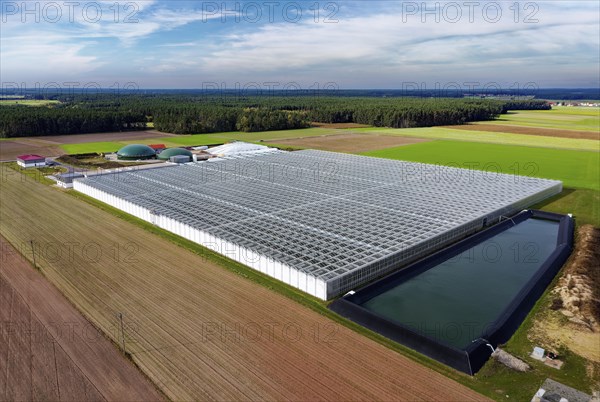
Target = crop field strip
(526,130)
(339,219)
(569,118)
(348,142)
(487,137)
(48,351)
(578,169)
(324,139)
(169,295)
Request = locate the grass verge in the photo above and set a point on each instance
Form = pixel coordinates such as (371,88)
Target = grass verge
(37,174)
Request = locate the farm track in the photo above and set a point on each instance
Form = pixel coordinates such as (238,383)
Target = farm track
(49,351)
(196,329)
(539,131)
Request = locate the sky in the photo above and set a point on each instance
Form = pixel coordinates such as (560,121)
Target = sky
(283,44)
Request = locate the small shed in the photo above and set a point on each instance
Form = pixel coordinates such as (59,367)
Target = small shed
(65,180)
(179,159)
(31,160)
(158,148)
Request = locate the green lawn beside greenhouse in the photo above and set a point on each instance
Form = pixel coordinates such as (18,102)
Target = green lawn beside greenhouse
(578,170)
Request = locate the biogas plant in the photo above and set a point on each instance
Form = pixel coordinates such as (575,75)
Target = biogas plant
(330,223)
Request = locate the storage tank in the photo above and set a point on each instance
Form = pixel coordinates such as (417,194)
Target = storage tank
(135,152)
(168,153)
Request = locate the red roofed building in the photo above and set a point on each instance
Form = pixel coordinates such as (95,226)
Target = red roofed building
(31,160)
(158,148)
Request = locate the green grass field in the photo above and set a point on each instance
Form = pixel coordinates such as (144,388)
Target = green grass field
(443,133)
(435,133)
(562,117)
(566,118)
(198,139)
(91,147)
(171,142)
(584,204)
(576,169)
(252,137)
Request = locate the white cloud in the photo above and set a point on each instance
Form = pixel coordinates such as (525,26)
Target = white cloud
(363,49)
(381,48)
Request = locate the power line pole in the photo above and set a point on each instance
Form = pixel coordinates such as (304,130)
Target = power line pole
(33,253)
(120,316)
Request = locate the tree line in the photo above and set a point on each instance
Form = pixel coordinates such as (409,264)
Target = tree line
(26,121)
(526,105)
(187,114)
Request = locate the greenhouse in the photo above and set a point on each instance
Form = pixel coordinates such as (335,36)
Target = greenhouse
(323,222)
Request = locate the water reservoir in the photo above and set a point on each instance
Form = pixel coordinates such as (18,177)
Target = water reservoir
(451,305)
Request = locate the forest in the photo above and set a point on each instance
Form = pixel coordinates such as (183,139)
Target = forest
(197,114)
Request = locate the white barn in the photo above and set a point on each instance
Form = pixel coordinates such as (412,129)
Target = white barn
(31,160)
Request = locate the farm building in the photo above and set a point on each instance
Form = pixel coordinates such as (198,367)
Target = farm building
(31,160)
(136,152)
(65,180)
(323,222)
(158,148)
(167,154)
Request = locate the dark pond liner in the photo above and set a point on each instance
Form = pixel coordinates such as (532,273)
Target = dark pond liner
(472,358)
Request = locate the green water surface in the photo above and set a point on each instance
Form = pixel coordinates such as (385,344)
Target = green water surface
(456,300)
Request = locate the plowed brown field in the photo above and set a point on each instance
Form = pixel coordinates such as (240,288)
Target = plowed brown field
(49,145)
(198,330)
(49,351)
(545,132)
(350,142)
(339,125)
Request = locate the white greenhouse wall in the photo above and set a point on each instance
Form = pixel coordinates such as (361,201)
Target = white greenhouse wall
(300,280)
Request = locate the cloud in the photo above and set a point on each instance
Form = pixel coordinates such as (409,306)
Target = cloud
(73,45)
(374,44)
(382,48)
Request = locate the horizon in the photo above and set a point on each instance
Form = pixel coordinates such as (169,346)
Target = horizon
(51,88)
